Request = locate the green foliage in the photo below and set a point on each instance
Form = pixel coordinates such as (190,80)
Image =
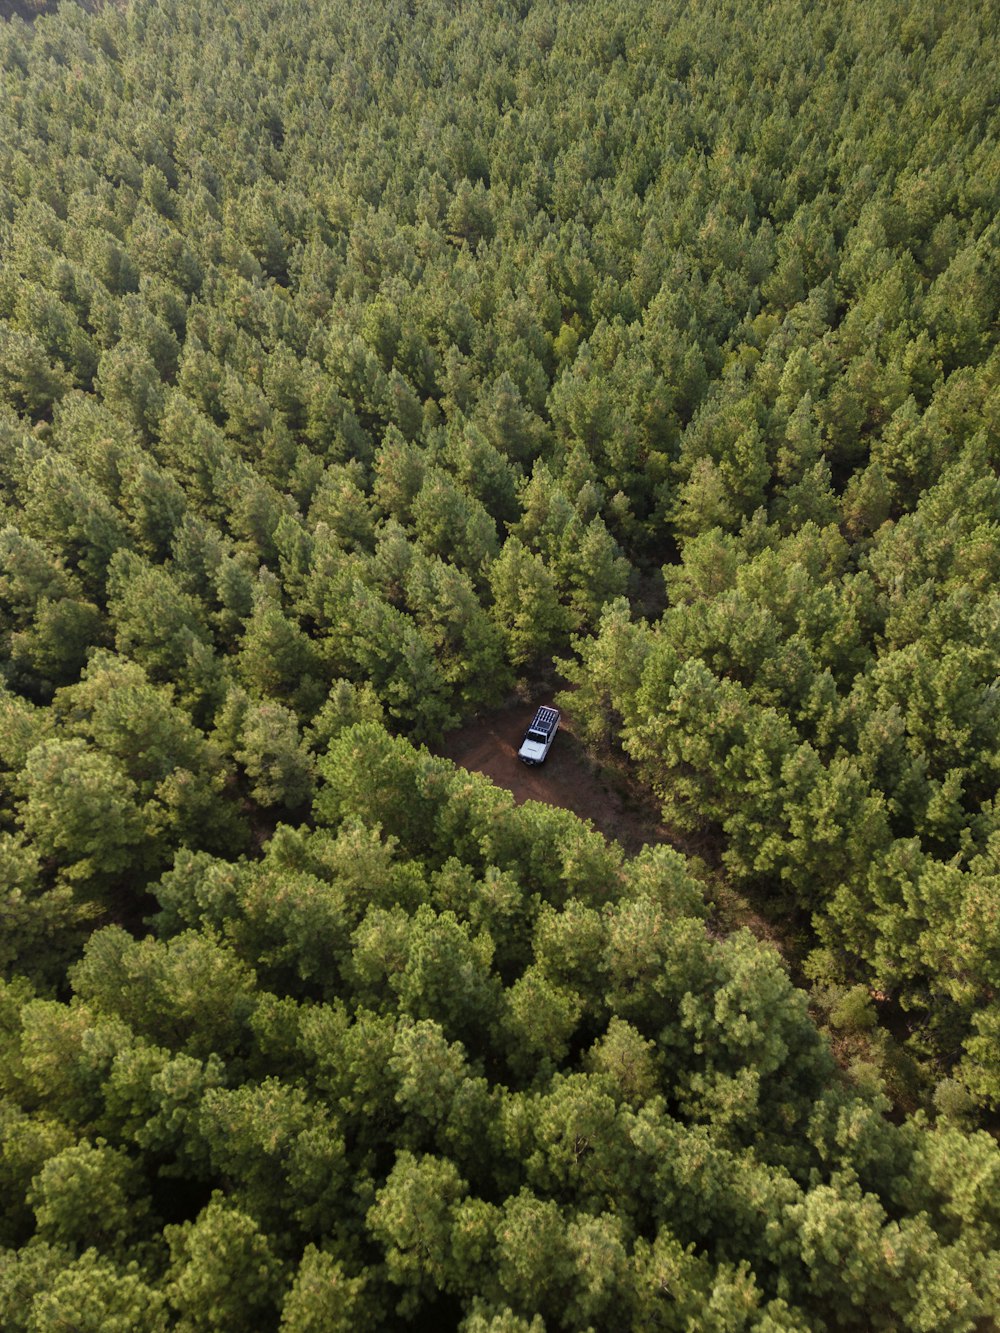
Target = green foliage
(41,928)
(86,1195)
(277,661)
(413,1218)
(190,992)
(265,740)
(47,1289)
(80,805)
(282,1155)
(179,774)
(526,603)
(222,1271)
(354,361)
(323,1299)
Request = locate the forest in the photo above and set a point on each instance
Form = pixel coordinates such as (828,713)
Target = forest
(360,364)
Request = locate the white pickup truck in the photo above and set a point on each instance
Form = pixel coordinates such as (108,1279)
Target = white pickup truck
(539,736)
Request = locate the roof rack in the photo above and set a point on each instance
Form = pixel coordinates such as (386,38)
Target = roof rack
(546,718)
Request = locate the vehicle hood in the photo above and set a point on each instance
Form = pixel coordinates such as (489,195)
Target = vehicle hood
(531,750)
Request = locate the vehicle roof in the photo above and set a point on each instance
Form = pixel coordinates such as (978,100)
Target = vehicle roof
(545,719)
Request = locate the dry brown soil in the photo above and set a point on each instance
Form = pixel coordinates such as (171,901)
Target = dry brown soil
(568,778)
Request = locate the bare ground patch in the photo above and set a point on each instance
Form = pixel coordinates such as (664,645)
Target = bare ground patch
(609,796)
(569,777)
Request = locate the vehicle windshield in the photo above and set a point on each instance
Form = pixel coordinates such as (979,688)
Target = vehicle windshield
(538,736)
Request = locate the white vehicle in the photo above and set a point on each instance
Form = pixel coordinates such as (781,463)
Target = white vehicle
(539,736)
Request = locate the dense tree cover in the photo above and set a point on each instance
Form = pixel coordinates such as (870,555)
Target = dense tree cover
(479,1072)
(354,360)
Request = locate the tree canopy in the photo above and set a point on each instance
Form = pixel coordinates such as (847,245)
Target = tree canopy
(357,362)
